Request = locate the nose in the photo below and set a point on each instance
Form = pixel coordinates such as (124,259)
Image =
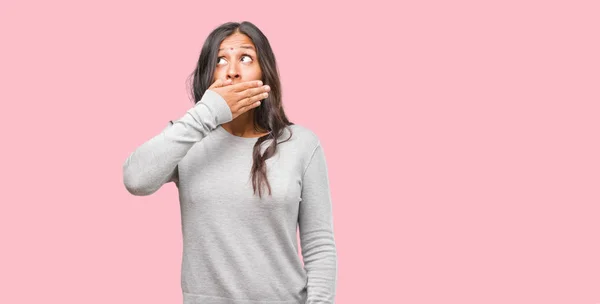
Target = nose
(233,72)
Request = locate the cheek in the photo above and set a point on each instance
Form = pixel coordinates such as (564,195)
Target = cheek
(253,73)
(218,74)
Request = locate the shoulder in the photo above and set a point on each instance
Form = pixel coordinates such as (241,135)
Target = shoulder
(302,136)
(301,145)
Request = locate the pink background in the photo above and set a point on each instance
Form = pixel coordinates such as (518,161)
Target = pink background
(462,140)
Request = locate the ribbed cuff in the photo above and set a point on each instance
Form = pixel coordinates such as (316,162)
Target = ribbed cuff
(217,105)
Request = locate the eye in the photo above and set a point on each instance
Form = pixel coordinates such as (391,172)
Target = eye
(248,56)
(244,55)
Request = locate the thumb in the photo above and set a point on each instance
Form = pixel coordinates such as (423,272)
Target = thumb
(221,82)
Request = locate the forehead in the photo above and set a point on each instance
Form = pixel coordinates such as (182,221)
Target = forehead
(236,41)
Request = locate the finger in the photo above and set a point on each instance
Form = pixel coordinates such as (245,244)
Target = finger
(252,92)
(220,82)
(251,102)
(242,86)
(255,104)
(215,84)
(256,91)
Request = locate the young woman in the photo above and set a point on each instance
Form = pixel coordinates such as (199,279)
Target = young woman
(247,179)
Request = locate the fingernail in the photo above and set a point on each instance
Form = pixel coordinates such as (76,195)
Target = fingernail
(259,83)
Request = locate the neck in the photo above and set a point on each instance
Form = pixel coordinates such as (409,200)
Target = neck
(242,125)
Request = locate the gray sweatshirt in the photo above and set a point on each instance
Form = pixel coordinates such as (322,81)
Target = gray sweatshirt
(239,248)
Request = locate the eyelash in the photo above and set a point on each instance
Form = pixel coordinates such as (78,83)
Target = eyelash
(242,56)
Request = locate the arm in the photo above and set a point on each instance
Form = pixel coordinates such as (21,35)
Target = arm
(154,163)
(315,220)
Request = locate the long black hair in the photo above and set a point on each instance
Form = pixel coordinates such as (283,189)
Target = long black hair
(269,115)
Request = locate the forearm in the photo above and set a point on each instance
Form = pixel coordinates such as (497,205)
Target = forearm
(316,231)
(153,163)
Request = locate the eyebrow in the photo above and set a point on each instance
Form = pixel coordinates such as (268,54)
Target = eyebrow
(243,47)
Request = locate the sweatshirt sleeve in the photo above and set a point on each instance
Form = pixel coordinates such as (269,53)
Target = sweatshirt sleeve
(315,220)
(154,162)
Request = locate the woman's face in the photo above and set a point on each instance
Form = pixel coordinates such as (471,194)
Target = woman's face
(237,60)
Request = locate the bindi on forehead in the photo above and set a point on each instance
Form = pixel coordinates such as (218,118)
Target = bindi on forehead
(248,47)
